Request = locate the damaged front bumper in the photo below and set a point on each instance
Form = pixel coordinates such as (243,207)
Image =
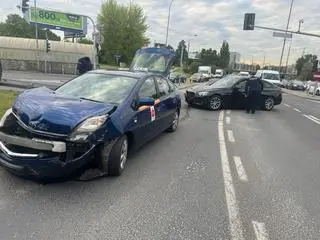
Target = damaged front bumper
(25,153)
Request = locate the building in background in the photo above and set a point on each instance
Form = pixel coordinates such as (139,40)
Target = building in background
(234,62)
(194,55)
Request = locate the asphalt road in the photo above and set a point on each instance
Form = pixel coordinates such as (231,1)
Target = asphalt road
(222,175)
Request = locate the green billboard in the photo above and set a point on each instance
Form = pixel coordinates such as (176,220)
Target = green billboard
(57,20)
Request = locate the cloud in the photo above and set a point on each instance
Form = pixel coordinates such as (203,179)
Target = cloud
(214,21)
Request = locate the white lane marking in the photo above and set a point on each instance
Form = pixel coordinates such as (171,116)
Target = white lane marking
(314,101)
(260,230)
(232,205)
(315,118)
(228,112)
(230,136)
(310,118)
(287,105)
(297,110)
(228,120)
(240,169)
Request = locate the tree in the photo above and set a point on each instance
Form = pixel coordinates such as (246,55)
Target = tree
(124,30)
(224,56)
(258,67)
(16,26)
(209,57)
(306,65)
(181,45)
(85,41)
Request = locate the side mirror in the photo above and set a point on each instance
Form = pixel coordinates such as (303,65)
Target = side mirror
(145,102)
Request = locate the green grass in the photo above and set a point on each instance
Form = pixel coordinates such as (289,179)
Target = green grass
(108,67)
(6,100)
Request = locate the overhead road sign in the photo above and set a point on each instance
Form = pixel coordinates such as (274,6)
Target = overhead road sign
(282,35)
(56,20)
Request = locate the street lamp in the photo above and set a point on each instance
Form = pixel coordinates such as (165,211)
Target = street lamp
(301,21)
(195,35)
(168,23)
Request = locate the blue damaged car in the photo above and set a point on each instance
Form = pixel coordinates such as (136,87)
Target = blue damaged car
(95,118)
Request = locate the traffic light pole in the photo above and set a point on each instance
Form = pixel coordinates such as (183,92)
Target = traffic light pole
(282,30)
(37,37)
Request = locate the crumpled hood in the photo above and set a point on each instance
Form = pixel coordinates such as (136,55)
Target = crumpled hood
(44,110)
(204,87)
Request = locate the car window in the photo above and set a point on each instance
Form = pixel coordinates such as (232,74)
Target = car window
(271,76)
(148,89)
(163,85)
(241,85)
(99,87)
(267,84)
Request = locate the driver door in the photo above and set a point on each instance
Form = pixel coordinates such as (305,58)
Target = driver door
(239,94)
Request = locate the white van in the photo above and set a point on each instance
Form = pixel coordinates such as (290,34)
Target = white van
(270,76)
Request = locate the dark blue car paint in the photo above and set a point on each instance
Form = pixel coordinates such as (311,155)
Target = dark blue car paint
(42,109)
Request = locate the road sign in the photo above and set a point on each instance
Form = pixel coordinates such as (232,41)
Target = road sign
(282,35)
(58,20)
(249,20)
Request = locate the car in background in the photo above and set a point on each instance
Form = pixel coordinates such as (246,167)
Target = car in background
(196,77)
(229,92)
(270,76)
(296,85)
(93,119)
(177,77)
(244,74)
(313,88)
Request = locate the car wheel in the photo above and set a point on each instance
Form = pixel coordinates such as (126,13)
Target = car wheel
(115,163)
(175,122)
(215,103)
(269,103)
(317,92)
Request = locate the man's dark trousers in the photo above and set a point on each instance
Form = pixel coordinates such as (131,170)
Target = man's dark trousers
(252,101)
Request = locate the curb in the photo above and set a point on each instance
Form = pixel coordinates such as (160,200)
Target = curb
(297,95)
(185,87)
(6,83)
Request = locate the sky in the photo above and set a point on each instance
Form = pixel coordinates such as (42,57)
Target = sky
(214,21)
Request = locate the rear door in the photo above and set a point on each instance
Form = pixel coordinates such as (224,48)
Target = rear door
(168,102)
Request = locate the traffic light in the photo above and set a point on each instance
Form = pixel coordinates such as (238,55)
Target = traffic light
(48,46)
(249,19)
(25,5)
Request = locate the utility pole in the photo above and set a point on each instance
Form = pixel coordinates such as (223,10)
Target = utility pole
(168,22)
(288,56)
(285,37)
(36,26)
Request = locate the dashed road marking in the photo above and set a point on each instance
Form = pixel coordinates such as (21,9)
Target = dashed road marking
(228,120)
(312,118)
(287,105)
(228,112)
(232,205)
(297,110)
(260,230)
(230,136)
(240,169)
(314,101)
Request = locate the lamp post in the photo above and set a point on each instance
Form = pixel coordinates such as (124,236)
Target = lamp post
(285,37)
(168,23)
(195,35)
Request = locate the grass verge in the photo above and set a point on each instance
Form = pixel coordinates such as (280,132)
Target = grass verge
(6,100)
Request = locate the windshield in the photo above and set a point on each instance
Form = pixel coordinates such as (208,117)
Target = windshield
(271,76)
(99,87)
(227,81)
(154,62)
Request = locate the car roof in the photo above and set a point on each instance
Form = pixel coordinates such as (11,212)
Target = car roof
(123,73)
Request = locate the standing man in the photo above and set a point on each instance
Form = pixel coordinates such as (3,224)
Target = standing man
(254,88)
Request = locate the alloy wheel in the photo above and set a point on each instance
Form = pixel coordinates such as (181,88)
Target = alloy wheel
(215,103)
(269,103)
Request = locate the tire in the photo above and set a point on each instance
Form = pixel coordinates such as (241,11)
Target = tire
(114,164)
(175,122)
(268,103)
(215,103)
(317,92)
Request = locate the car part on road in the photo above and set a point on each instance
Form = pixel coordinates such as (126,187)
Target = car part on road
(269,103)
(215,103)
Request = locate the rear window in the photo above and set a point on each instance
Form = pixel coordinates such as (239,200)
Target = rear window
(271,76)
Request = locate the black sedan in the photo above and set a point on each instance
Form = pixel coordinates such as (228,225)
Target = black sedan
(296,85)
(229,92)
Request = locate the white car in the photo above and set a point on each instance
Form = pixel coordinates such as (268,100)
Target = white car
(244,74)
(314,88)
(270,76)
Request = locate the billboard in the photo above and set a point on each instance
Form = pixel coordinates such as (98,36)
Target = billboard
(56,20)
